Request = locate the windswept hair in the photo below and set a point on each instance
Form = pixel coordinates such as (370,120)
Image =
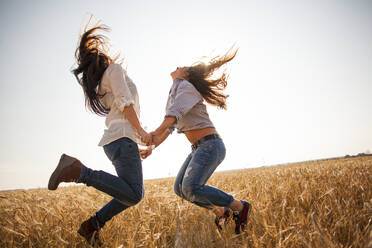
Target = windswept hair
(92,61)
(200,75)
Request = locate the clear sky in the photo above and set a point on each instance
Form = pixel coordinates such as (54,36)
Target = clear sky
(300,87)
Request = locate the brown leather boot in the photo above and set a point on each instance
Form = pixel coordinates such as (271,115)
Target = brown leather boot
(241,217)
(90,233)
(68,170)
(224,218)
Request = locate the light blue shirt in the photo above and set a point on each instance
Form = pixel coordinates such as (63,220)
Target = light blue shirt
(187,105)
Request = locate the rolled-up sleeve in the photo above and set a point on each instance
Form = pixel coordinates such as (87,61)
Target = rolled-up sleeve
(186,98)
(119,88)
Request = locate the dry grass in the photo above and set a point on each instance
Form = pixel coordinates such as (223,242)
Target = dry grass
(315,204)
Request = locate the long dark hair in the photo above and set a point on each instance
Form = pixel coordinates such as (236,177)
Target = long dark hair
(200,75)
(92,61)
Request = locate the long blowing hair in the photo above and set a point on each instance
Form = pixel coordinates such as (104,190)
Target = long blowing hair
(92,61)
(201,76)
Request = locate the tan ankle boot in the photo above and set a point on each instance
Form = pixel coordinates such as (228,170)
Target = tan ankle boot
(68,170)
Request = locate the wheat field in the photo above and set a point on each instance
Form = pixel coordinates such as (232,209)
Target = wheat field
(312,204)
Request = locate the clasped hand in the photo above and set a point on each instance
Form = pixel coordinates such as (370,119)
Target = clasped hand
(151,140)
(146,137)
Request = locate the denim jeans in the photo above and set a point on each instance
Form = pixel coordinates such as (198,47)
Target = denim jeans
(126,188)
(195,172)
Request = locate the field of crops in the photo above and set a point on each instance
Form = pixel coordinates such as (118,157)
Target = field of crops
(313,204)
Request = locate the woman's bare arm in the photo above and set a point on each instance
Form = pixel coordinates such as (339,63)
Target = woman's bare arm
(167,122)
(131,116)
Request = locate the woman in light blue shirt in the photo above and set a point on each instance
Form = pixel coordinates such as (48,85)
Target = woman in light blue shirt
(187,112)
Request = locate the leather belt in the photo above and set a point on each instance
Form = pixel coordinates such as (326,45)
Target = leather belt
(205,138)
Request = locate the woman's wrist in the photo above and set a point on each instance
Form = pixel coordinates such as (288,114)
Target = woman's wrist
(141,131)
(158,131)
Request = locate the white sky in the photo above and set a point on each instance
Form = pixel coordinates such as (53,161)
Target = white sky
(300,87)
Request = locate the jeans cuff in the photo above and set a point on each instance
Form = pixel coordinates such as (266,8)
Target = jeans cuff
(83,174)
(95,222)
(231,201)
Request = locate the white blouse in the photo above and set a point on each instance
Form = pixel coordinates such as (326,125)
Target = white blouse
(118,91)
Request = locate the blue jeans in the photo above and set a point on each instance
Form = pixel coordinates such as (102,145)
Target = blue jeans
(195,172)
(126,188)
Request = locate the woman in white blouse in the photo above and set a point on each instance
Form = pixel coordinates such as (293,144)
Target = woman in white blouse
(108,92)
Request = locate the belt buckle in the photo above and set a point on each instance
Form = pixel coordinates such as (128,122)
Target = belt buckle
(193,147)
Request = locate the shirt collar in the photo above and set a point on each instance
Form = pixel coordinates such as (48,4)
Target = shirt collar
(176,80)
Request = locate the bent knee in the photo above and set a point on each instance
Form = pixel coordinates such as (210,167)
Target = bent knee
(139,196)
(189,190)
(134,198)
(178,189)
